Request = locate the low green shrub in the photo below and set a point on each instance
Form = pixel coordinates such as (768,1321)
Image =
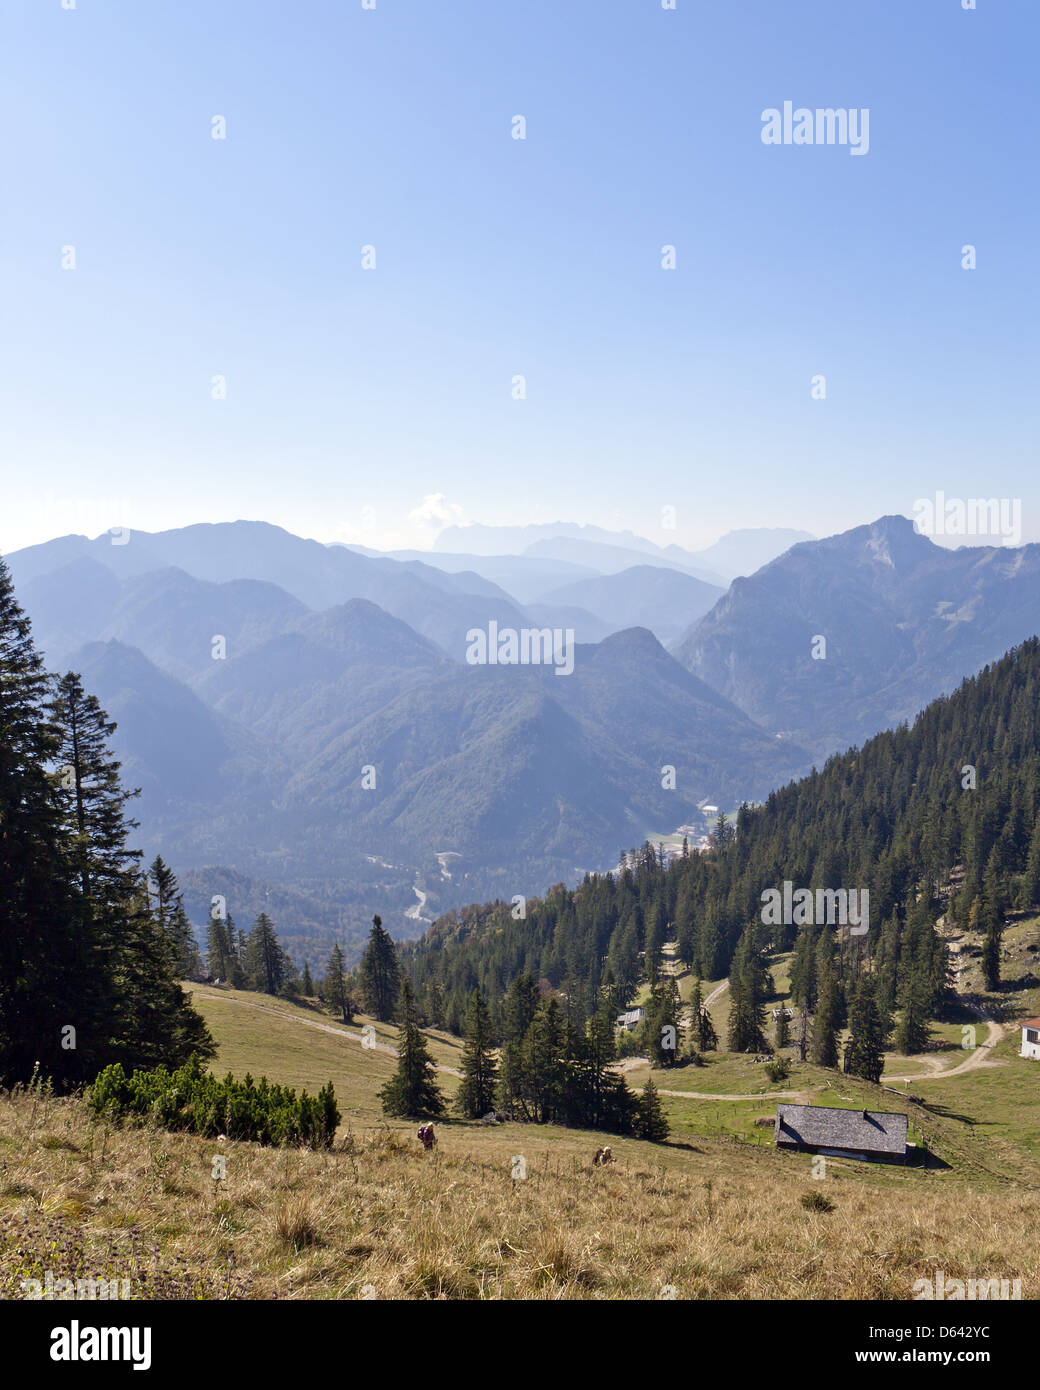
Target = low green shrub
(193,1100)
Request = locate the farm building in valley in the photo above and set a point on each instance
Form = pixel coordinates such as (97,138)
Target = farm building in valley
(874,1135)
(1031,1037)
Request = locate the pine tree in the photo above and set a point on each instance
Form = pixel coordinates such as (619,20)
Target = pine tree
(380,973)
(651,1123)
(47,951)
(782,1034)
(265,962)
(171,919)
(661,1027)
(306,983)
(334,986)
(476,1094)
(826,1018)
(912,1033)
(864,1051)
(218,948)
(991,920)
(747,987)
(543,1064)
(412,1090)
(518,1014)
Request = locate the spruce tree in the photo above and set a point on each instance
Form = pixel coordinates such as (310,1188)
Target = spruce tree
(661,1027)
(651,1123)
(747,987)
(218,948)
(521,1004)
(912,1034)
(172,922)
(334,986)
(476,1094)
(306,983)
(543,1064)
(47,949)
(266,965)
(380,973)
(864,1051)
(827,1018)
(412,1090)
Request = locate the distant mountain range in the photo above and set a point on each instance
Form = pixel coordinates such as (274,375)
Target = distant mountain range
(256,677)
(737,553)
(307,732)
(904,621)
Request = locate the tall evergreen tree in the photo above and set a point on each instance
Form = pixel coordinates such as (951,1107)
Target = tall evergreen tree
(266,965)
(827,1018)
(334,986)
(747,987)
(864,1051)
(651,1123)
(476,1094)
(171,919)
(46,950)
(412,1090)
(380,972)
(218,948)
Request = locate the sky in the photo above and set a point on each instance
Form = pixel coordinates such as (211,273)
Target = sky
(377,404)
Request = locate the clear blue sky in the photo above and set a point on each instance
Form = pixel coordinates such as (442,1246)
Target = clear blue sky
(352,389)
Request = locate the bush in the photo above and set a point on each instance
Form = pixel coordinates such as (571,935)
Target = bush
(193,1100)
(816,1201)
(779,1070)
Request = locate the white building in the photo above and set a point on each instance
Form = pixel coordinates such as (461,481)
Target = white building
(1031,1037)
(630,1020)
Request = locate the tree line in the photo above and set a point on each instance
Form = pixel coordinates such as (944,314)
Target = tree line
(92,948)
(939,817)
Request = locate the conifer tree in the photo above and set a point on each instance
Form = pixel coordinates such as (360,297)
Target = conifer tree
(864,1051)
(266,965)
(218,948)
(826,1019)
(662,1024)
(912,1033)
(171,919)
(476,1094)
(306,983)
(543,1066)
(334,986)
(991,920)
(520,1007)
(651,1123)
(46,954)
(380,972)
(412,1090)
(747,987)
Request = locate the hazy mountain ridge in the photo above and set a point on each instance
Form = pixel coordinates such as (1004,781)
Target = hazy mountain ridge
(905,620)
(257,759)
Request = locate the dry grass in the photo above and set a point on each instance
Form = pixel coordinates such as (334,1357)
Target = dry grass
(378,1218)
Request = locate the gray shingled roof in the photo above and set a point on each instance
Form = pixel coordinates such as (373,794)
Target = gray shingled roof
(826,1127)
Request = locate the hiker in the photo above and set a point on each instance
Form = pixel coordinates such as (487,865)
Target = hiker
(426,1134)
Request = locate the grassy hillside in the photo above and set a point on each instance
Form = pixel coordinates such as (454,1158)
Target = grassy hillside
(714,1213)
